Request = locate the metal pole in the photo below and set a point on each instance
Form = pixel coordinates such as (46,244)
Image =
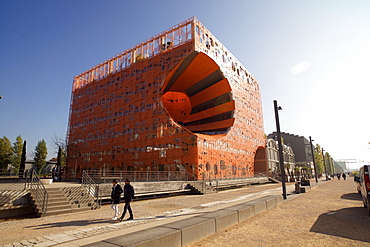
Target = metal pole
(323,158)
(281,157)
(313,159)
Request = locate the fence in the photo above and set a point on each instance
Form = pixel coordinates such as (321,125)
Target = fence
(92,188)
(6,173)
(141,176)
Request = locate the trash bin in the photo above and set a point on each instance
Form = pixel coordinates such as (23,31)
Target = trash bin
(298,187)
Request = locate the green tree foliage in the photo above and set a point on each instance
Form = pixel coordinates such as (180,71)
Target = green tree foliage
(329,163)
(6,152)
(61,158)
(41,152)
(318,159)
(17,152)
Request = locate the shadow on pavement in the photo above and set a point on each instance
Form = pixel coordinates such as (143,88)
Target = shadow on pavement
(352,196)
(352,223)
(70,223)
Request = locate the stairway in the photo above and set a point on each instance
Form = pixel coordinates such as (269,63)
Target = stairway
(57,204)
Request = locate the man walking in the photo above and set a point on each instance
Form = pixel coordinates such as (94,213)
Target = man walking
(128,196)
(116,196)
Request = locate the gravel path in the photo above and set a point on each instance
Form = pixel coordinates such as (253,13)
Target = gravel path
(16,231)
(331,215)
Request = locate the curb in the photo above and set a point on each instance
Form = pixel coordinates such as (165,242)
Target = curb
(187,231)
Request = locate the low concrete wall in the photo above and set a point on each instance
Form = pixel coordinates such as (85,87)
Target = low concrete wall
(146,187)
(16,211)
(187,231)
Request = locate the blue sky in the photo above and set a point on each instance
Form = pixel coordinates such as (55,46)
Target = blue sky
(311,56)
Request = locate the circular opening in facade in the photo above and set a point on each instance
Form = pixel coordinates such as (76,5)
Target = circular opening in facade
(198,96)
(177,104)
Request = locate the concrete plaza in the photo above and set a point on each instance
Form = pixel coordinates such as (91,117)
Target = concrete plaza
(316,218)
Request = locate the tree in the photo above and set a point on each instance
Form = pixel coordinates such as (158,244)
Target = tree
(59,143)
(319,159)
(41,152)
(6,152)
(60,158)
(329,163)
(22,165)
(17,152)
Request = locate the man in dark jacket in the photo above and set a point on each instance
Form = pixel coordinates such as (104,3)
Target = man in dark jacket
(128,196)
(116,196)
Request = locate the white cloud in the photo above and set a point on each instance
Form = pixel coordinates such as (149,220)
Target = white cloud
(300,67)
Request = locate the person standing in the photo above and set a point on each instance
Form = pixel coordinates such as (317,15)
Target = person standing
(344,176)
(116,196)
(128,196)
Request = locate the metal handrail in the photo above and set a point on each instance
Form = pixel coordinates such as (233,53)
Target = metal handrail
(140,176)
(92,188)
(39,191)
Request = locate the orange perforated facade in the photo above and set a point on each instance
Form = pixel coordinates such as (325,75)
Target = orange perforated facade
(177,101)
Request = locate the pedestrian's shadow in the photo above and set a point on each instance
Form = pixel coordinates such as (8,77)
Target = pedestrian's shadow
(70,223)
(352,196)
(352,223)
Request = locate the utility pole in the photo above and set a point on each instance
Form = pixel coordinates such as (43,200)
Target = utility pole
(281,157)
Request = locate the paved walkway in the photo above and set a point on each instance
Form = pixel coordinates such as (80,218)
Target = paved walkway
(331,215)
(48,231)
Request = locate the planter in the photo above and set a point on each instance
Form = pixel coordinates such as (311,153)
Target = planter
(46,180)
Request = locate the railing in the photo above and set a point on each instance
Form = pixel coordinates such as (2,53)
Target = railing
(6,173)
(38,190)
(140,176)
(92,188)
(168,39)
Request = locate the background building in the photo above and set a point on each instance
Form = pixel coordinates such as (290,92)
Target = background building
(267,159)
(301,148)
(177,101)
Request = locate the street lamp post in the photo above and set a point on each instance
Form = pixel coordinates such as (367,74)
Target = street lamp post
(323,158)
(281,157)
(313,159)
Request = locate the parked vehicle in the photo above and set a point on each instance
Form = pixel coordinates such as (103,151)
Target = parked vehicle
(358,183)
(364,181)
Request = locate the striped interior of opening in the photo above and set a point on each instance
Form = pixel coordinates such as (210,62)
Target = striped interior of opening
(207,104)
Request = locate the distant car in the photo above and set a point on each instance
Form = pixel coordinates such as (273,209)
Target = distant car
(364,177)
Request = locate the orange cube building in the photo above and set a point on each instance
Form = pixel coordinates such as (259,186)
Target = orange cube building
(179,101)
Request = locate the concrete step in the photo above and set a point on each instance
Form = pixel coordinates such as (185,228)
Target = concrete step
(55,193)
(57,208)
(52,189)
(57,199)
(56,212)
(62,203)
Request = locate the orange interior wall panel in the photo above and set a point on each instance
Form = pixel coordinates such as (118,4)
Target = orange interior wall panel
(177,101)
